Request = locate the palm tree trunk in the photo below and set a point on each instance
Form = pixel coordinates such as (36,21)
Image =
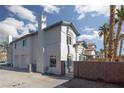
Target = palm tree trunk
(117,37)
(120,47)
(111,32)
(105,45)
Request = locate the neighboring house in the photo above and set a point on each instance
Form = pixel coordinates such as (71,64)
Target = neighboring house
(90,52)
(3,55)
(47,48)
(80,51)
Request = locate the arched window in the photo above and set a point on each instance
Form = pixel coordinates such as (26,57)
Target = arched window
(69,39)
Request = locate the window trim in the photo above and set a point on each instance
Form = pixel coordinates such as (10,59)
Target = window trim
(69,39)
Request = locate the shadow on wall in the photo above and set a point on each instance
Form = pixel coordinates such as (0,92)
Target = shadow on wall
(5,67)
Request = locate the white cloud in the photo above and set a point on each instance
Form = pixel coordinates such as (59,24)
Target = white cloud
(10,26)
(93,36)
(13,22)
(22,12)
(7,29)
(51,9)
(94,10)
(88,29)
(28,27)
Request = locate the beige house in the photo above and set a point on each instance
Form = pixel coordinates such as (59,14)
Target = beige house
(90,52)
(3,55)
(47,48)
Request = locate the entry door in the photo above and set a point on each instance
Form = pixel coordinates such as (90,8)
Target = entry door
(69,64)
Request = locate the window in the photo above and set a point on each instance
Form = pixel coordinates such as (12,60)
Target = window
(69,60)
(52,61)
(24,43)
(15,46)
(69,39)
(80,57)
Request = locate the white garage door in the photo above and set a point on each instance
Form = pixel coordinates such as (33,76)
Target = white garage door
(24,62)
(16,61)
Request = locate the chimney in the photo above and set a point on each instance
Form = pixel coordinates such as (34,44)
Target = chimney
(10,38)
(43,21)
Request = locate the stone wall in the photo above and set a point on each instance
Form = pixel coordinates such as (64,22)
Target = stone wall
(107,71)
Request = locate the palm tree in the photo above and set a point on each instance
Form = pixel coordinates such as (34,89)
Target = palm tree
(102,51)
(104,32)
(111,32)
(120,14)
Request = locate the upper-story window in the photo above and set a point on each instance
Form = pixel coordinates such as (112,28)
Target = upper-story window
(15,45)
(69,39)
(24,42)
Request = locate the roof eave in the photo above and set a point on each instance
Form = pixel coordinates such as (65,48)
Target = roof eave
(63,23)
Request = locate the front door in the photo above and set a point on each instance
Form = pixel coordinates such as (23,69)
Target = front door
(69,64)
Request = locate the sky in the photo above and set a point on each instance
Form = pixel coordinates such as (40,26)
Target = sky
(20,20)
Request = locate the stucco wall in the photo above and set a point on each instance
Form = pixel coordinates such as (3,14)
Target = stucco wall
(22,55)
(52,45)
(107,71)
(64,47)
(34,43)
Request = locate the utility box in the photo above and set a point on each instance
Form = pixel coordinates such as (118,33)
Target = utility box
(29,68)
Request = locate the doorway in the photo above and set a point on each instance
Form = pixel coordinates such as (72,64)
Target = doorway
(69,65)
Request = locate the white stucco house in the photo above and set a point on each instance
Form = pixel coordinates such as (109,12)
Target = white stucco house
(90,51)
(50,50)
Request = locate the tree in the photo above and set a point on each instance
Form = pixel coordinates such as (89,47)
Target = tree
(111,32)
(104,32)
(84,44)
(120,14)
(102,51)
(4,44)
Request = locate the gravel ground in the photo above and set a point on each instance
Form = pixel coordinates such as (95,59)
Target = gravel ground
(11,78)
(83,83)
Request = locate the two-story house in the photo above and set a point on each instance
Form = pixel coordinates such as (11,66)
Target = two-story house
(47,48)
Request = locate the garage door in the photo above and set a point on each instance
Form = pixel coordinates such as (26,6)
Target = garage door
(24,62)
(16,61)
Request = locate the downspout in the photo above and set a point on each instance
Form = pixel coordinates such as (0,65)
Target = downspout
(68,50)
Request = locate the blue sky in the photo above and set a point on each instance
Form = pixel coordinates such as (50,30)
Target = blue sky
(18,20)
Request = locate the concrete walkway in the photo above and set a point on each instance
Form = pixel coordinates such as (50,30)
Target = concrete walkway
(12,78)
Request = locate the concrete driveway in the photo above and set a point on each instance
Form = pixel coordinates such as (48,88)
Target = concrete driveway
(15,78)
(18,78)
